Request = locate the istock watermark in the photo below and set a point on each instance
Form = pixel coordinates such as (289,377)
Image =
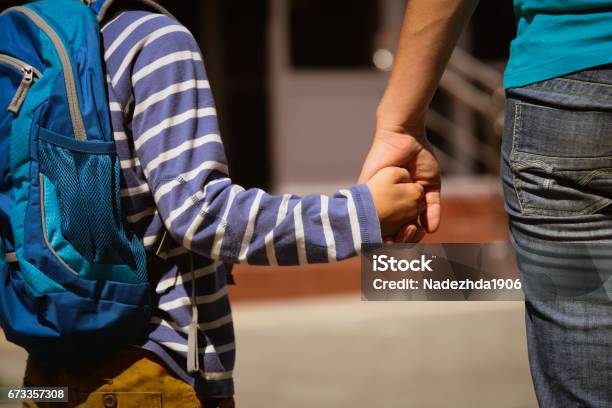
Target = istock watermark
(440,272)
(486,272)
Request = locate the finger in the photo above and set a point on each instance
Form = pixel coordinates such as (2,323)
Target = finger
(419,235)
(406,234)
(413,191)
(420,206)
(395,175)
(418,190)
(430,218)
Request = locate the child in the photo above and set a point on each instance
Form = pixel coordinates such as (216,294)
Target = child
(178,196)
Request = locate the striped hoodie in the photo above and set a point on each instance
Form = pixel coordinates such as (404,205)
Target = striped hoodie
(176,189)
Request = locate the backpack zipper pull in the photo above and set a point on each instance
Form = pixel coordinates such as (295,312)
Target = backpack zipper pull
(22,90)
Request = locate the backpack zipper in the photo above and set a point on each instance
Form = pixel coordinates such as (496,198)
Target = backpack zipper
(70,83)
(30,74)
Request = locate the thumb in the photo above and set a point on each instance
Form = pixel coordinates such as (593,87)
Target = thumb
(394,175)
(430,218)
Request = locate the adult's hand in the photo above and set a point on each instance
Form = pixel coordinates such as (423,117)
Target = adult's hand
(410,149)
(429,34)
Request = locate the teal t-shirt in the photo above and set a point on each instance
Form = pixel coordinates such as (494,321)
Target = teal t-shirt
(557,37)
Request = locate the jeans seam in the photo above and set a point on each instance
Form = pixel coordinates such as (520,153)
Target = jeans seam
(519,165)
(589,177)
(518,108)
(561,157)
(515,136)
(533,210)
(580,81)
(566,93)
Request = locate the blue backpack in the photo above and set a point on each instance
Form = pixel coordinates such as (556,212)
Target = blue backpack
(73,277)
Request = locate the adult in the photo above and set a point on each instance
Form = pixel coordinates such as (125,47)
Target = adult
(556,161)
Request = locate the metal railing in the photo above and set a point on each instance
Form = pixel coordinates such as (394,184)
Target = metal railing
(475,88)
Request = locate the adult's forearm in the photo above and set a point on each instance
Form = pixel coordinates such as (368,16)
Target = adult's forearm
(430,31)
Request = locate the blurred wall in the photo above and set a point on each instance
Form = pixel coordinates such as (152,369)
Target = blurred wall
(322,114)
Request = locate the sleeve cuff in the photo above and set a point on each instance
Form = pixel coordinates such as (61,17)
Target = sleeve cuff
(369,223)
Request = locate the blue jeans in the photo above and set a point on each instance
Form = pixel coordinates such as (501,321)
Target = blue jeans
(557,177)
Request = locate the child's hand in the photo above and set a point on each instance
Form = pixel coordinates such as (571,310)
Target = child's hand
(397,201)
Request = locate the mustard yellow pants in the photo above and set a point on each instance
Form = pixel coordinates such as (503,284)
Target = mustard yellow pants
(132,377)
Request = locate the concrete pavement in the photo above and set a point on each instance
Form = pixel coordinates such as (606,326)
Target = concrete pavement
(341,352)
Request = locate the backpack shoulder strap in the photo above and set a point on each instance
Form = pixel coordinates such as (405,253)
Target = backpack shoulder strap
(103,7)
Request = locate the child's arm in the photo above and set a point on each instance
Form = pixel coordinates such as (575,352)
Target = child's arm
(177,142)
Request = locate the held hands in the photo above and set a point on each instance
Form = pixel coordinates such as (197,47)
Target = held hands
(408,148)
(398,201)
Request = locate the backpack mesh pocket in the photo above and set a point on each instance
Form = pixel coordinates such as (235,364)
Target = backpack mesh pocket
(86,177)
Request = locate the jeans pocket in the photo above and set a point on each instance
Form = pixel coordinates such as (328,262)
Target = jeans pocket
(561,160)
